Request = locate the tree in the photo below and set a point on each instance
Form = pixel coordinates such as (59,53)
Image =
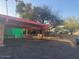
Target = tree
(44,13)
(20,7)
(24,10)
(37,13)
(41,13)
(71,23)
(6,7)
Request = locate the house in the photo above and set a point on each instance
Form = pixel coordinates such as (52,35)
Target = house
(12,27)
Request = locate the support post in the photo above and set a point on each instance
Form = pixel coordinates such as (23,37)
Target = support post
(1,35)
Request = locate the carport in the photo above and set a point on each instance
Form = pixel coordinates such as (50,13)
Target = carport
(12,27)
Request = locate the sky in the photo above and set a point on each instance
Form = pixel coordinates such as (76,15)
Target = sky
(64,8)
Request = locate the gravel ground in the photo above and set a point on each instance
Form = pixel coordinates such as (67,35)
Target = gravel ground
(34,49)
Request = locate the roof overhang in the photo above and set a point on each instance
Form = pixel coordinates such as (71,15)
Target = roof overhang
(19,22)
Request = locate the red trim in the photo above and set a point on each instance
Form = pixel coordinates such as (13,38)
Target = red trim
(23,20)
(24,26)
(19,19)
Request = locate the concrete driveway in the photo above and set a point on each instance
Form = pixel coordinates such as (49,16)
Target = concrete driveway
(36,49)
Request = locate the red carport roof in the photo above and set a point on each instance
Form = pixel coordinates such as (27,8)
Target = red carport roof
(20,19)
(23,20)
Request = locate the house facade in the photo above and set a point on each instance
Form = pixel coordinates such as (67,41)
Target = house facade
(12,27)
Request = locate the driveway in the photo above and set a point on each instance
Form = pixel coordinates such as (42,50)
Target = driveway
(36,49)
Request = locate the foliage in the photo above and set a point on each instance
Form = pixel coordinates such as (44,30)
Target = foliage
(37,13)
(72,24)
(24,10)
(19,7)
(41,13)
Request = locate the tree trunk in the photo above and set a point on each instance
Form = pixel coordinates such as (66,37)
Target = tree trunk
(71,33)
(72,30)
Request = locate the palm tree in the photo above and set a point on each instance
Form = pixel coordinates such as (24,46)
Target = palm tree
(16,1)
(6,7)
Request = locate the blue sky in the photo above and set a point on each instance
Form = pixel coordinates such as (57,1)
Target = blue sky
(62,7)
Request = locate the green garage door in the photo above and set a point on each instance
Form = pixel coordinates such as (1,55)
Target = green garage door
(13,33)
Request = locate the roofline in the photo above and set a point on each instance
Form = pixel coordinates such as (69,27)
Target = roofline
(23,20)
